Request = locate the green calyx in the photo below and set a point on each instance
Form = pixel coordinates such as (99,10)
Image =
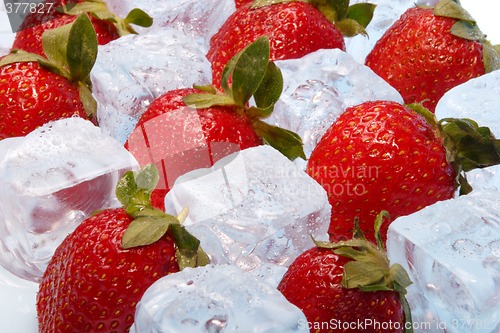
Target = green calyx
(468,145)
(99,9)
(466,27)
(150,224)
(370,269)
(351,20)
(71,52)
(250,74)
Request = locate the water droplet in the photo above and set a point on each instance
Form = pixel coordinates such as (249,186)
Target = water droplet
(467,247)
(216,324)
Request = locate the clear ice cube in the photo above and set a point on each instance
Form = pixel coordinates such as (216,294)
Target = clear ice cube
(163,59)
(215,298)
(317,89)
(198,19)
(50,181)
(452,252)
(477,99)
(251,208)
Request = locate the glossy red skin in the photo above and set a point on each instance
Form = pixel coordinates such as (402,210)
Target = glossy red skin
(31,96)
(218,125)
(92,284)
(313,284)
(379,156)
(419,57)
(294,30)
(29,37)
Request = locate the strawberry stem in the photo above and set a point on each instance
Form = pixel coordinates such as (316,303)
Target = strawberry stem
(249,74)
(370,269)
(150,225)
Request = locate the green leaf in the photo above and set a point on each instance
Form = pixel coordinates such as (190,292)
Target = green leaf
(263,3)
(450,8)
(202,100)
(400,278)
(249,70)
(363,274)
(81,48)
(146,230)
(379,220)
(20,56)
(126,188)
(139,17)
(189,252)
(467,30)
(88,100)
(491,57)
(350,27)
(87,7)
(148,178)
(361,13)
(55,44)
(269,92)
(287,142)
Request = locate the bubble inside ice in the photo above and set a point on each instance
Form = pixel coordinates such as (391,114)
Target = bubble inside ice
(252,207)
(215,298)
(51,180)
(451,251)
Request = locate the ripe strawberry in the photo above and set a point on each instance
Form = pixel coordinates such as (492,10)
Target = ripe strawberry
(100,271)
(384,156)
(107,26)
(429,51)
(349,287)
(178,138)
(294,28)
(35,90)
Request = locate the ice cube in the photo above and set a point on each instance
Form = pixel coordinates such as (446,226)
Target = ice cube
(163,60)
(452,252)
(317,89)
(215,298)
(252,207)
(386,13)
(199,19)
(50,181)
(485,178)
(17,304)
(477,99)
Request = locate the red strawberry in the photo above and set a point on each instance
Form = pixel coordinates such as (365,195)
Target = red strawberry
(178,138)
(100,271)
(294,28)
(348,287)
(384,156)
(107,26)
(429,51)
(35,90)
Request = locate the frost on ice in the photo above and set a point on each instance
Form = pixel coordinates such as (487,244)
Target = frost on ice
(251,208)
(50,181)
(163,60)
(215,298)
(452,252)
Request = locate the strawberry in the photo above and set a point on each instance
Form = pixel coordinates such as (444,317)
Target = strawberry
(99,272)
(428,51)
(294,28)
(188,128)
(382,155)
(349,287)
(35,90)
(107,26)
